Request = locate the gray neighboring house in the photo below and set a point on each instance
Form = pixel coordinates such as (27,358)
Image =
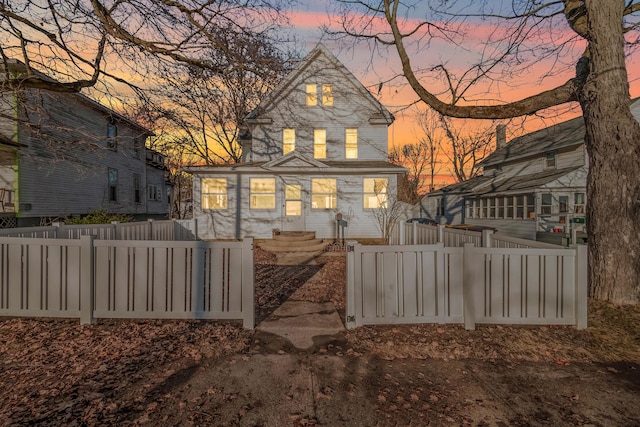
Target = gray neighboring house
(316,147)
(64,154)
(532,186)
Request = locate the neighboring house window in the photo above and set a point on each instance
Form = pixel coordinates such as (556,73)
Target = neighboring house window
(492,208)
(327,95)
(519,207)
(551,159)
(351,144)
(545,205)
(113,185)
(312,95)
(530,206)
(510,207)
(501,201)
(154,192)
(214,193)
(319,143)
(288,140)
(375,193)
(563,202)
(137,190)
(440,207)
(579,203)
(138,143)
(323,193)
(263,193)
(112,136)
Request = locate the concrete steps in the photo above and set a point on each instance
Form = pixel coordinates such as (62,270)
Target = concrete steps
(294,241)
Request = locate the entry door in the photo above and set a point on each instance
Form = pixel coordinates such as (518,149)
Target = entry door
(293,208)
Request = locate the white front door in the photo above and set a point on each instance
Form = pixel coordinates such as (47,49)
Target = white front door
(293,210)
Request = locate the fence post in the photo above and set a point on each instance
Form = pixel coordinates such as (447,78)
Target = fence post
(401,240)
(115,227)
(582,286)
(248,286)
(440,233)
(414,233)
(486,238)
(149,230)
(195,228)
(87,285)
(57,225)
(469,275)
(351,285)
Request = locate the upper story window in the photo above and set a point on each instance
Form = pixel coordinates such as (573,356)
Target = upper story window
(263,193)
(550,160)
(138,144)
(327,95)
(288,140)
(214,193)
(312,95)
(154,192)
(375,193)
(319,143)
(351,143)
(112,136)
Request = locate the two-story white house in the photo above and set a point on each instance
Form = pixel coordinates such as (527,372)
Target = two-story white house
(316,147)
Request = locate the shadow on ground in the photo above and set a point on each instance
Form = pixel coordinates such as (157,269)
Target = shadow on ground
(274,284)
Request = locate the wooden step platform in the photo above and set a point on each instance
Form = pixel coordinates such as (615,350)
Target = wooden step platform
(294,241)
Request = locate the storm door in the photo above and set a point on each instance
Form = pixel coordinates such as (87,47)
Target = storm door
(293,208)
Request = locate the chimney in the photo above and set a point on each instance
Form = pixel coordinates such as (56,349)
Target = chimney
(501,136)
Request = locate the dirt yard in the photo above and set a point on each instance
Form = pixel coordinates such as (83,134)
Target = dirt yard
(56,372)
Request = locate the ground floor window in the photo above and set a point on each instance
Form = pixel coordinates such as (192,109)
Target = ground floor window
(375,193)
(546,203)
(113,185)
(579,203)
(263,193)
(323,193)
(214,193)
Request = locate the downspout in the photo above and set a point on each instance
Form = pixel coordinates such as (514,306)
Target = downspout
(238,204)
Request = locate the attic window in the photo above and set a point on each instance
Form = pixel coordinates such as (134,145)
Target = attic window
(319,143)
(327,95)
(312,95)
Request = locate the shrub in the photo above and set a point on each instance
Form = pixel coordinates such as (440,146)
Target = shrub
(99,216)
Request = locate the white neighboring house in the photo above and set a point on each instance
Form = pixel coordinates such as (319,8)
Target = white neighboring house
(532,186)
(317,146)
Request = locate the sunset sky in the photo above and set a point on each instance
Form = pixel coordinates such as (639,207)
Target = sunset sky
(371,70)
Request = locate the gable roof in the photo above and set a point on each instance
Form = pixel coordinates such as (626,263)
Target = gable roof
(287,85)
(562,135)
(293,159)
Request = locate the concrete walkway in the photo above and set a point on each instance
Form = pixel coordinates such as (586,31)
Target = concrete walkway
(306,325)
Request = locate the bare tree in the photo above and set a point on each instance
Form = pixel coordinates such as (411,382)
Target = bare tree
(390,211)
(75,44)
(205,109)
(421,159)
(596,34)
(465,152)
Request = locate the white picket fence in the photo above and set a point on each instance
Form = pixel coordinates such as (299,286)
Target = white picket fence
(393,284)
(143,230)
(422,234)
(87,278)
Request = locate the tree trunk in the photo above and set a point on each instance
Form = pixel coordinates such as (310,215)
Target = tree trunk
(613,144)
